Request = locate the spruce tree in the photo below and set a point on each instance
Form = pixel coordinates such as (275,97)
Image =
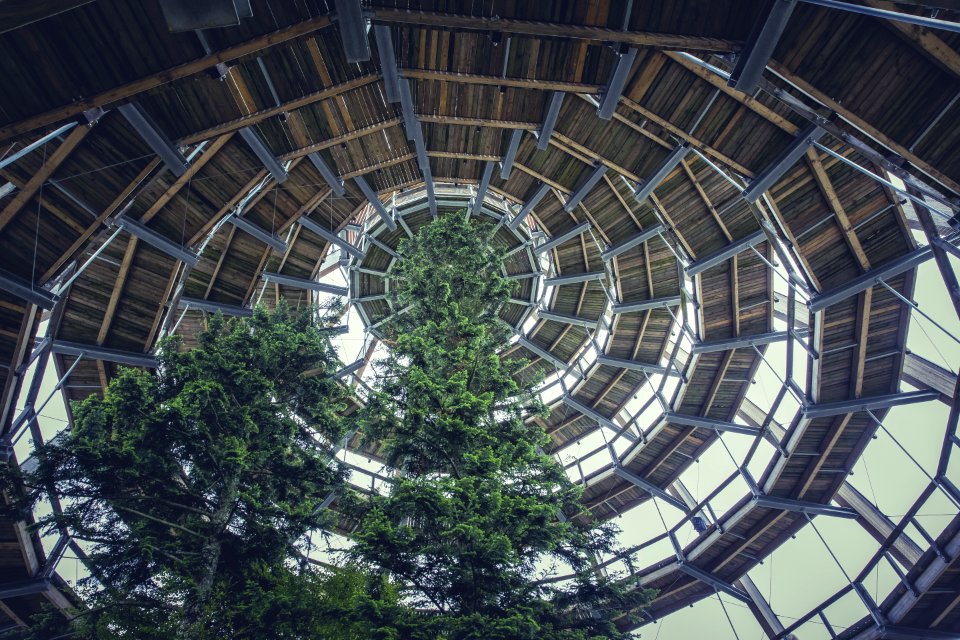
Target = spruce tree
(476,510)
(194,483)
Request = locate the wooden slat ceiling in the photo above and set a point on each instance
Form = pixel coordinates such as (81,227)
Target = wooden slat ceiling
(471,90)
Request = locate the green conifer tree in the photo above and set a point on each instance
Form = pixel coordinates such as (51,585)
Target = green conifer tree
(194,482)
(476,509)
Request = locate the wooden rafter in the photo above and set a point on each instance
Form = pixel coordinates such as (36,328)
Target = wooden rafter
(130,89)
(50,165)
(843,221)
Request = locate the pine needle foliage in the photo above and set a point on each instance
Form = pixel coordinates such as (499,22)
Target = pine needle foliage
(474,516)
(193,483)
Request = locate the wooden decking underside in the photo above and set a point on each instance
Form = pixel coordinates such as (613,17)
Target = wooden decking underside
(470,94)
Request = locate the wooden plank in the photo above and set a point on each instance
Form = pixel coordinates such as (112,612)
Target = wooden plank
(286,107)
(340,139)
(152,81)
(109,211)
(539,84)
(191,171)
(924,40)
(864,126)
(117,290)
(50,165)
(843,221)
(553,29)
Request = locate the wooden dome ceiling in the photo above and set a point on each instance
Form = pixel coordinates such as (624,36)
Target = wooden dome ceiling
(282,149)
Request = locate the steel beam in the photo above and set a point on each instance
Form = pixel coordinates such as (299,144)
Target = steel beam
(384,246)
(303,283)
(36,144)
(410,123)
(634,365)
(264,154)
(702,422)
(787,158)
(542,353)
(155,139)
(867,403)
(550,120)
(575,278)
(482,189)
(388,62)
(327,173)
(649,487)
(580,229)
(804,506)
(528,206)
(713,581)
(96,352)
(562,317)
(353,30)
(632,242)
(591,413)
(372,198)
(354,366)
(24,587)
(614,89)
(740,342)
(511,154)
(161,242)
(12,283)
(215,307)
(331,237)
(753,59)
(725,253)
(863,282)
(585,188)
(645,188)
(895,632)
(258,233)
(643,305)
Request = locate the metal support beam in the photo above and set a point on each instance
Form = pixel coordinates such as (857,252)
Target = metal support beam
(353,30)
(740,342)
(726,253)
(215,307)
(327,173)
(258,233)
(713,581)
(753,59)
(702,422)
(542,353)
(865,281)
(645,188)
(585,188)
(804,506)
(354,366)
(634,365)
(614,89)
(371,197)
(384,246)
(550,120)
(894,632)
(591,413)
(567,319)
(331,237)
(575,278)
(649,487)
(264,154)
(787,158)
(643,305)
(410,124)
(13,157)
(528,206)
(154,239)
(303,283)
(868,403)
(154,138)
(96,352)
(21,288)
(580,229)
(506,165)
(630,243)
(482,189)
(388,62)
(24,588)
